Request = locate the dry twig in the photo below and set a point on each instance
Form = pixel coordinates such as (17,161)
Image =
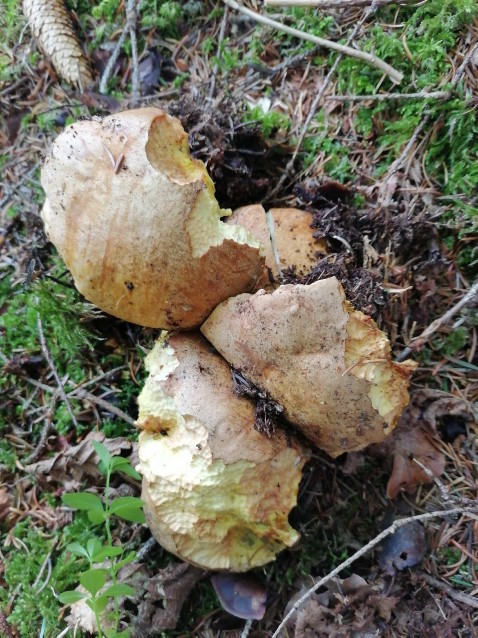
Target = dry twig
(46,354)
(385,192)
(247,628)
(47,428)
(313,107)
(79,393)
(382,97)
(459,596)
(222,33)
(129,27)
(135,81)
(419,341)
(329,4)
(394,75)
(363,550)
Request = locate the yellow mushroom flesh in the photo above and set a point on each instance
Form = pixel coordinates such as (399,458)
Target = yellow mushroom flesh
(218,493)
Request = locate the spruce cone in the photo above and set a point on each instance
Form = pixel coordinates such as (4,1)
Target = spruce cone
(51,25)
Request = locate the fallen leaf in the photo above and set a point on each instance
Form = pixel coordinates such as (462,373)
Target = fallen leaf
(149,71)
(405,548)
(350,607)
(414,444)
(154,607)
(70,467)
(165,594)
(407,473)
(6,501)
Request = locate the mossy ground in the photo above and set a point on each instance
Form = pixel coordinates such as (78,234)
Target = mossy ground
(267,80)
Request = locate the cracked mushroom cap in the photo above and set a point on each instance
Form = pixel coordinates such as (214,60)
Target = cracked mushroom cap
(293,239)
(327,364)
(136,221)
(217,492)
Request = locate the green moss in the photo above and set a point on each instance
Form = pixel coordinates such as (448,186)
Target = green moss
(269,121)
(63,315)
(61,311)
(35,603)
(7,454)
(421,51)
(453,343)
(162,15)
(12,22)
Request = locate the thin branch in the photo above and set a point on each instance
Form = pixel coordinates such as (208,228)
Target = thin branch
(385,195)
(146,548)
(222,33)
(247,628)
(419,341)
(79,393)
(46,354)
(461,597)
(375,541)
(130,24)
(444,491)
(313,107)
(329,4)
(394,75)
(135,81)
(382,97)
(47,429)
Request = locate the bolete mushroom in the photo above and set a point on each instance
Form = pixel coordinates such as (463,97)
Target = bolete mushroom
(290,242)
(136,221)
(327,364)
(217,492)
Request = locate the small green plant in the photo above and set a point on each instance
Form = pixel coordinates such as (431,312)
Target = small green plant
(270,121)
(163,15)
(105,560)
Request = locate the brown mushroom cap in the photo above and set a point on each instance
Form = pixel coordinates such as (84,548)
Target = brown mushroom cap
(293,236)
(328,365)
(217,492)
(136,221)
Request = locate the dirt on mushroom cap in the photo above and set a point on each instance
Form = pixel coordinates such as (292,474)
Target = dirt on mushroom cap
(327,365)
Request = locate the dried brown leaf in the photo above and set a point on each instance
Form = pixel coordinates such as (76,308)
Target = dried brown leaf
(51,25)
(71,466)
(407,474)
(6,501)
(415,441)
(350,607)
(165,595)
(156,604)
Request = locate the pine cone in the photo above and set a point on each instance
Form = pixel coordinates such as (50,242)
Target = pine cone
(51,25)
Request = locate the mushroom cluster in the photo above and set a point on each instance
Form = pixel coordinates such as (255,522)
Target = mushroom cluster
(137,223)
